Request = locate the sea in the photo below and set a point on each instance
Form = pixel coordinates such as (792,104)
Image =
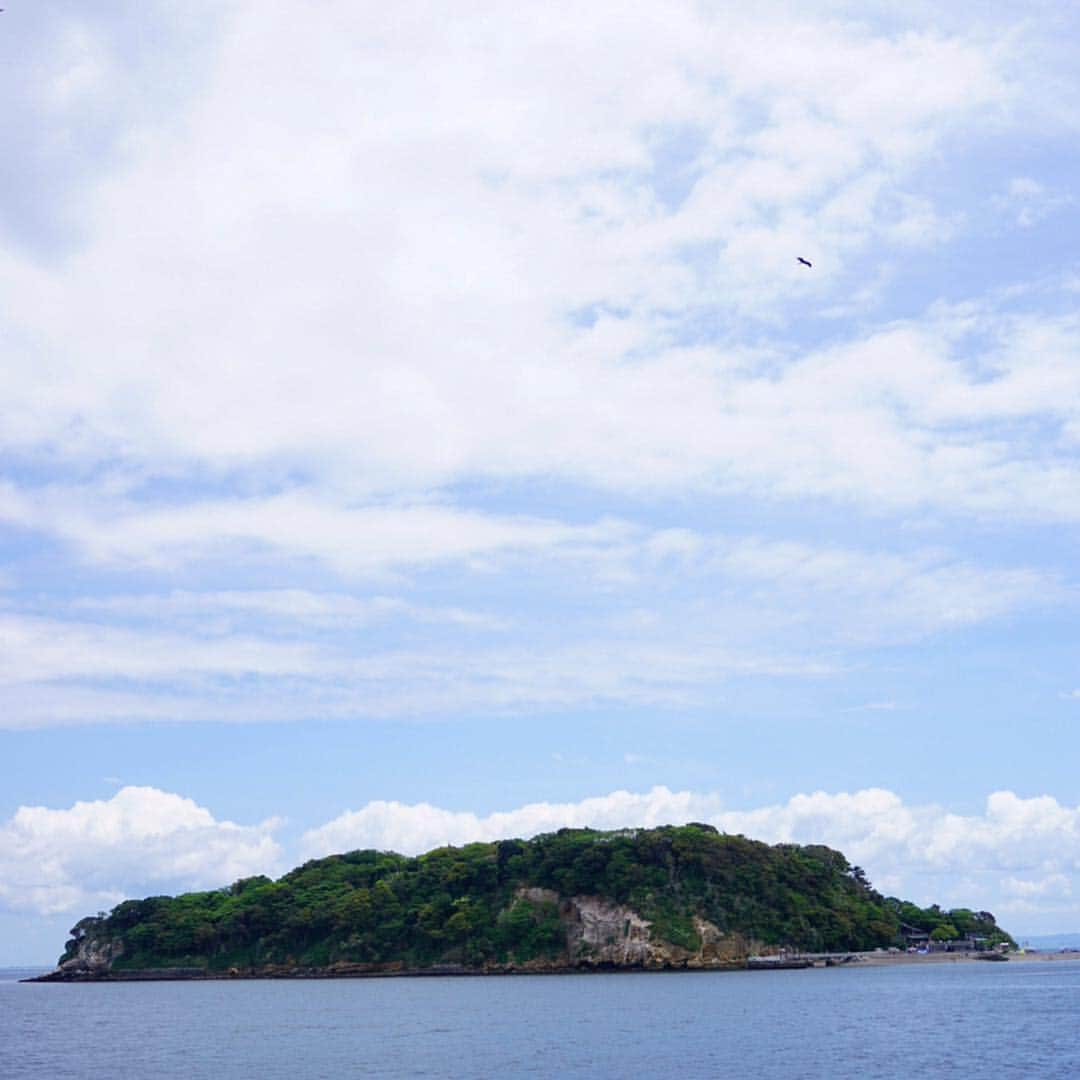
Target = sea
(1018,1019)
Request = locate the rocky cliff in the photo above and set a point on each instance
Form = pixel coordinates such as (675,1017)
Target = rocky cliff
(603,934)
(94,956)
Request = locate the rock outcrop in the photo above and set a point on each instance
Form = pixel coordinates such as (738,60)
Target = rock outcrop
(603,934)
(93,958)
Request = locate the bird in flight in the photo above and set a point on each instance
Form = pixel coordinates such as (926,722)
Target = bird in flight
(805,262)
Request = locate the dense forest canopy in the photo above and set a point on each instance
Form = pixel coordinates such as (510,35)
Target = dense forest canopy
(481,904)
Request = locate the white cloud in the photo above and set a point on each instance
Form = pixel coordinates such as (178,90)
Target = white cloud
(1052,885)
(927,589)
(412,829)
(1019,857)
(861,595)
(94,854)
(1014,855)
(62,674)
(34,650)
(1029,201)
(1024,185)
(339,321)
(358,541)
(297,607)
(913,415)
(625,620)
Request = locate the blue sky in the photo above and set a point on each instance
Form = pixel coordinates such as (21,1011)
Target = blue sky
(418,428)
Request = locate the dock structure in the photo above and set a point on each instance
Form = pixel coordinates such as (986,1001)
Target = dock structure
(777,963)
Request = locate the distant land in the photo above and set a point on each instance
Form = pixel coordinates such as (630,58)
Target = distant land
(685,897)
(1052,941)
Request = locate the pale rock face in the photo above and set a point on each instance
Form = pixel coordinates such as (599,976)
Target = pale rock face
(95,957)
(601,933)
(608,933)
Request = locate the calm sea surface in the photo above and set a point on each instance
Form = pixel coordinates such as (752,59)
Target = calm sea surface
(1018,1019)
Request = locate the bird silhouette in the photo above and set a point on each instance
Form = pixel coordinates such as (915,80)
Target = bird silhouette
(805,262)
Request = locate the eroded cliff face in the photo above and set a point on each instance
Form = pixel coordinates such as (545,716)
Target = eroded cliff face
(94,957)
(600,933)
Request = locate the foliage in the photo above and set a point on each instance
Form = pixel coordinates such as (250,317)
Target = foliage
(949,925)
(468,906)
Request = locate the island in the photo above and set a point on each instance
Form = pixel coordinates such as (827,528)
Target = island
(675,897)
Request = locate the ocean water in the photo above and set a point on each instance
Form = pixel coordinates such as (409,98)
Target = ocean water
(1020,1019)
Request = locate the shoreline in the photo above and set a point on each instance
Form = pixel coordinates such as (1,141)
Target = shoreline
(856,960)
(907,959)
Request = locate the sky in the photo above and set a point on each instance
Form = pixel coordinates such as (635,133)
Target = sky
(417,427)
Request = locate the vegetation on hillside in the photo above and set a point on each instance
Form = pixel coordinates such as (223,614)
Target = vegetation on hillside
(465,906)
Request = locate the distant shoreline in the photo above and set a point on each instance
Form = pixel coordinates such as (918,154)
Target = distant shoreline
(875,959)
